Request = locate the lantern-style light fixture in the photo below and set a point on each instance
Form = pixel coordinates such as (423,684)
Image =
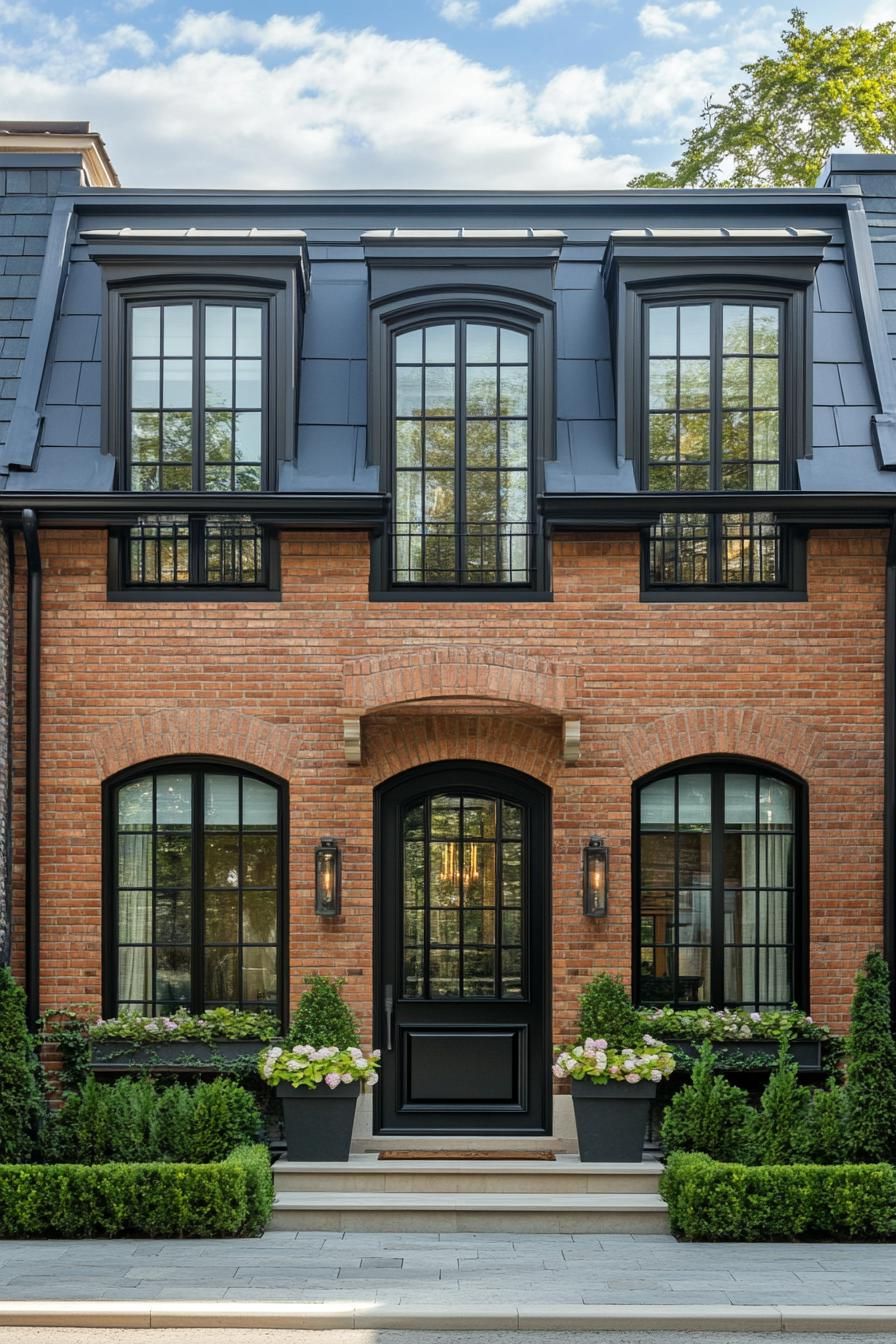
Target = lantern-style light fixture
(595,875)
(327,878)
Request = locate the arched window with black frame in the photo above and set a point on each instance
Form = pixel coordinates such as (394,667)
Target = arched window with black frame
(195,897)
(461,447)
(720,886)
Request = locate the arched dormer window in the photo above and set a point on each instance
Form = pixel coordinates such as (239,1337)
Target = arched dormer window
(720,886)
(462,421)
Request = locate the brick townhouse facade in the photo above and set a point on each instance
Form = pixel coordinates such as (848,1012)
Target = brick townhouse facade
(461,593)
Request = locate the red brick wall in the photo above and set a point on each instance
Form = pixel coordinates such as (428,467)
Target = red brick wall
(799,684)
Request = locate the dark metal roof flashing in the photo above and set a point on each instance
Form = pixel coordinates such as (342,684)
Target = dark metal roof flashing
(475,247)
(278,246)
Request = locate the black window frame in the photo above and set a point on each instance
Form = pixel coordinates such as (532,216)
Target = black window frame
(519,312)
(717,766)
(257,285)
(195,766)
(794,361)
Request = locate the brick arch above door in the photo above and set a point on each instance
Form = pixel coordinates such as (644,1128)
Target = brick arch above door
(196,732)
(396,743)
(460,672)
(780,739)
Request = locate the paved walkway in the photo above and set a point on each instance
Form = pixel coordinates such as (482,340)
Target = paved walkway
(450,1270)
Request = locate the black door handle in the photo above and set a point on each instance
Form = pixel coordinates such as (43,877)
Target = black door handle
(389,1005)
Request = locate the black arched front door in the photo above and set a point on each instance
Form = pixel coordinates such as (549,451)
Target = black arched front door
(463,952)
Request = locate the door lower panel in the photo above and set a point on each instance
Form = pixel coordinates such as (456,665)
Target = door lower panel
(463,1069)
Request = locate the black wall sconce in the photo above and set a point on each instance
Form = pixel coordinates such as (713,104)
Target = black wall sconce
(595,878)
(328,878)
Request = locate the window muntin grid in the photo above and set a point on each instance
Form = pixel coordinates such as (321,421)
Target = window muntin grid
(717,892)
(196,412)
(463,898)
(714,421)
(179,550)
(196,891)
(462,429)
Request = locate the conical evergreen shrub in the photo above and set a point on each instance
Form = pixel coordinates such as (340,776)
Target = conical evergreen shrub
(606,1013)
(323,1017)
(709,1116)
(779,1132)
(22,1101)
(871,1067)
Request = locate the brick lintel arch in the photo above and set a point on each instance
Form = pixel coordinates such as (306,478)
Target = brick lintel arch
(460,672)
(780,739)
(225,733)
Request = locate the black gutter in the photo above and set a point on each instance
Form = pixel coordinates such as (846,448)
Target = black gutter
(889,911)
(101,509)
(638,509)
(32,769)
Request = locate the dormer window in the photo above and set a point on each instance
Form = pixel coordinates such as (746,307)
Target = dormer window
(197,405)
(201,334)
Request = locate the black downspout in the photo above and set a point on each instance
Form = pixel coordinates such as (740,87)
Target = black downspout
(890,761)
(32,769)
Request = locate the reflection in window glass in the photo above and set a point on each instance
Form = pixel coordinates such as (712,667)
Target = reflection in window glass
(713,422)
(196,864)
(463,898)
(461,448)
(717,889)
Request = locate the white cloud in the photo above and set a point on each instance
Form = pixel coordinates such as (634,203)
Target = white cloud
(130,6)
(656,21)
(879,11)
(291,103)
(666,20)
(524,12)
(125,37)
(459,11)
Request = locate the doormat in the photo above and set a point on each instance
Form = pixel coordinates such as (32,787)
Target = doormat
(464,1155)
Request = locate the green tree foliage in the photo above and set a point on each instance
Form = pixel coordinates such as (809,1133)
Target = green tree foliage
(777,127)
(606,1013)
(22,1103)
(323,1017)
(826,1125)
(709,1116)
(871,1070)
(779,1131)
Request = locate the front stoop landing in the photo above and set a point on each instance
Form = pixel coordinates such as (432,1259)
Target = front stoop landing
(368,1195)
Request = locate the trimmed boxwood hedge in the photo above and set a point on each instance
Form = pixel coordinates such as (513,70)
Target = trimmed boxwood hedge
(151,1199)
(727,1201)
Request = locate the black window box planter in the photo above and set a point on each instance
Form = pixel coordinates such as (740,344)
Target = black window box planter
(741,1056)
(161,1056)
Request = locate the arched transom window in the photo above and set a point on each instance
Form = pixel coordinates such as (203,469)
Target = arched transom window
(462,429)
(196,866)
(718,890)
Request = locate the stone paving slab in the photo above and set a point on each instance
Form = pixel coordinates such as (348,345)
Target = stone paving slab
(429,1270)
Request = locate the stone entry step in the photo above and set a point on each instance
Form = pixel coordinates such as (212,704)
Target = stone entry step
(378,1211)
(566,1175)
(378,1143)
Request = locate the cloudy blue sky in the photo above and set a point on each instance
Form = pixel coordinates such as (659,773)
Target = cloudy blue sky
(425,93)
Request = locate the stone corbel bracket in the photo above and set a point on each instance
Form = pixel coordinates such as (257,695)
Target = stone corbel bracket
(351,739)
(572,741)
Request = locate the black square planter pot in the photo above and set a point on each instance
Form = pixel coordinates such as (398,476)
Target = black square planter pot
(318,1121)
(611,1119)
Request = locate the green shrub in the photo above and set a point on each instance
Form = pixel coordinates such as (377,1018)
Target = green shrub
(224,1116)
(779,1131)
(717,1201)
(826,1133)
(323,1017)
(22,1102)
(229,1198)
(710,1115)
(606,1013)
(871,1067)
(131,1121)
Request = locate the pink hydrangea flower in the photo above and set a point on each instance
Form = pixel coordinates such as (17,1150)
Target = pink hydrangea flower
(347,1078)
(332,1080)
(632,1078)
